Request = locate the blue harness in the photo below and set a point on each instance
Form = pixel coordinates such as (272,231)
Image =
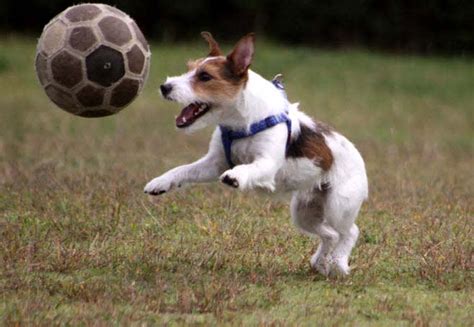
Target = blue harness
(228,135)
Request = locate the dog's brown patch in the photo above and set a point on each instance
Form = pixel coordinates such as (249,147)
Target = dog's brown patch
(214,49)
(312,145)
(218,79)
(223,85)
(193,64)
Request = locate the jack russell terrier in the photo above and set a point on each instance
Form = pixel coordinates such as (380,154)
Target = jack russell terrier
(263,141)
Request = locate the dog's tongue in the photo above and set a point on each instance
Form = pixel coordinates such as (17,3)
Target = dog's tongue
(187,117)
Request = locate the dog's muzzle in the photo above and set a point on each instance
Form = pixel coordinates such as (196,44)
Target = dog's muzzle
(166,89)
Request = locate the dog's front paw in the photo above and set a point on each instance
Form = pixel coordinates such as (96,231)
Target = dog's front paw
(231,181)
(159,186)
(234,178)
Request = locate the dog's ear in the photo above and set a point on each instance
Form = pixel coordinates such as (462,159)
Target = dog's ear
(241,57)
(214,49)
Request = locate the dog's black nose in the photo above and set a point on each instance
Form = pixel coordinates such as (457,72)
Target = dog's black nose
(166,89)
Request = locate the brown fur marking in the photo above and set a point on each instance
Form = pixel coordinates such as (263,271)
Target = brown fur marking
(224,84)
(193,64)
(214,49)
(228,74)
(312,145)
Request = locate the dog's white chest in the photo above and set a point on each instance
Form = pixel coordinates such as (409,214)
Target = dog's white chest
(243,152)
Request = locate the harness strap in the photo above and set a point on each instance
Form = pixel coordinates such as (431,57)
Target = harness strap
(228,135)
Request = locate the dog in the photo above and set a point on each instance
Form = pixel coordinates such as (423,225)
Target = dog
(262,141)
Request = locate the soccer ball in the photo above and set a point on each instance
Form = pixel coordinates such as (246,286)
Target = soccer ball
(92,60)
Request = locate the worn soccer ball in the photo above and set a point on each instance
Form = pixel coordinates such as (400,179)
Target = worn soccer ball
(92,60)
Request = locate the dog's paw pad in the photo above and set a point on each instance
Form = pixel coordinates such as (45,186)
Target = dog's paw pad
(153,192)
(156,192)
(158,186)
(230,181)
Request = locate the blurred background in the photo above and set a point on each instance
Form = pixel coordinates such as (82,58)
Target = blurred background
(431,26)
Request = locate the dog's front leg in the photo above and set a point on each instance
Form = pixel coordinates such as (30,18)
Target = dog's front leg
(204,170)
(260,173)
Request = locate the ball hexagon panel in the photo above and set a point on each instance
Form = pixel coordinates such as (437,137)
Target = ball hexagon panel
(115,30)
(82,38)
(90,96)
(54,36)
(66,69)
(42,68)
(140,37)
(105,66)
(92,113)
(135,59)
(61,98)
(83,13)
(124,93)
(115,11)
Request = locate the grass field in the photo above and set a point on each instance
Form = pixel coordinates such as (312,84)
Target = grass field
(81,244)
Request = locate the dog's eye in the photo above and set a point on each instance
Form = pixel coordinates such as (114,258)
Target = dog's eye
(204,77)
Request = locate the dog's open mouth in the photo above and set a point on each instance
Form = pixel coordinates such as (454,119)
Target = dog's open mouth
(191,113)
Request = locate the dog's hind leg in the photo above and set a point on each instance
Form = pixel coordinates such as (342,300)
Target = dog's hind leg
(308,214)
(343,249)
(342,207)
(322,259)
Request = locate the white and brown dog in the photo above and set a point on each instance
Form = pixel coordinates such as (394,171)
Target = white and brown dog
(263,141)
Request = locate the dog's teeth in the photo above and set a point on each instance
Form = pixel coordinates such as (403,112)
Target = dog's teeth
(184,120)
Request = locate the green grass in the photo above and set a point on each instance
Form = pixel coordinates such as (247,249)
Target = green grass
(81,244)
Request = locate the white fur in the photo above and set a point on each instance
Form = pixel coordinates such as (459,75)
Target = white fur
(261,163)
(182,91)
